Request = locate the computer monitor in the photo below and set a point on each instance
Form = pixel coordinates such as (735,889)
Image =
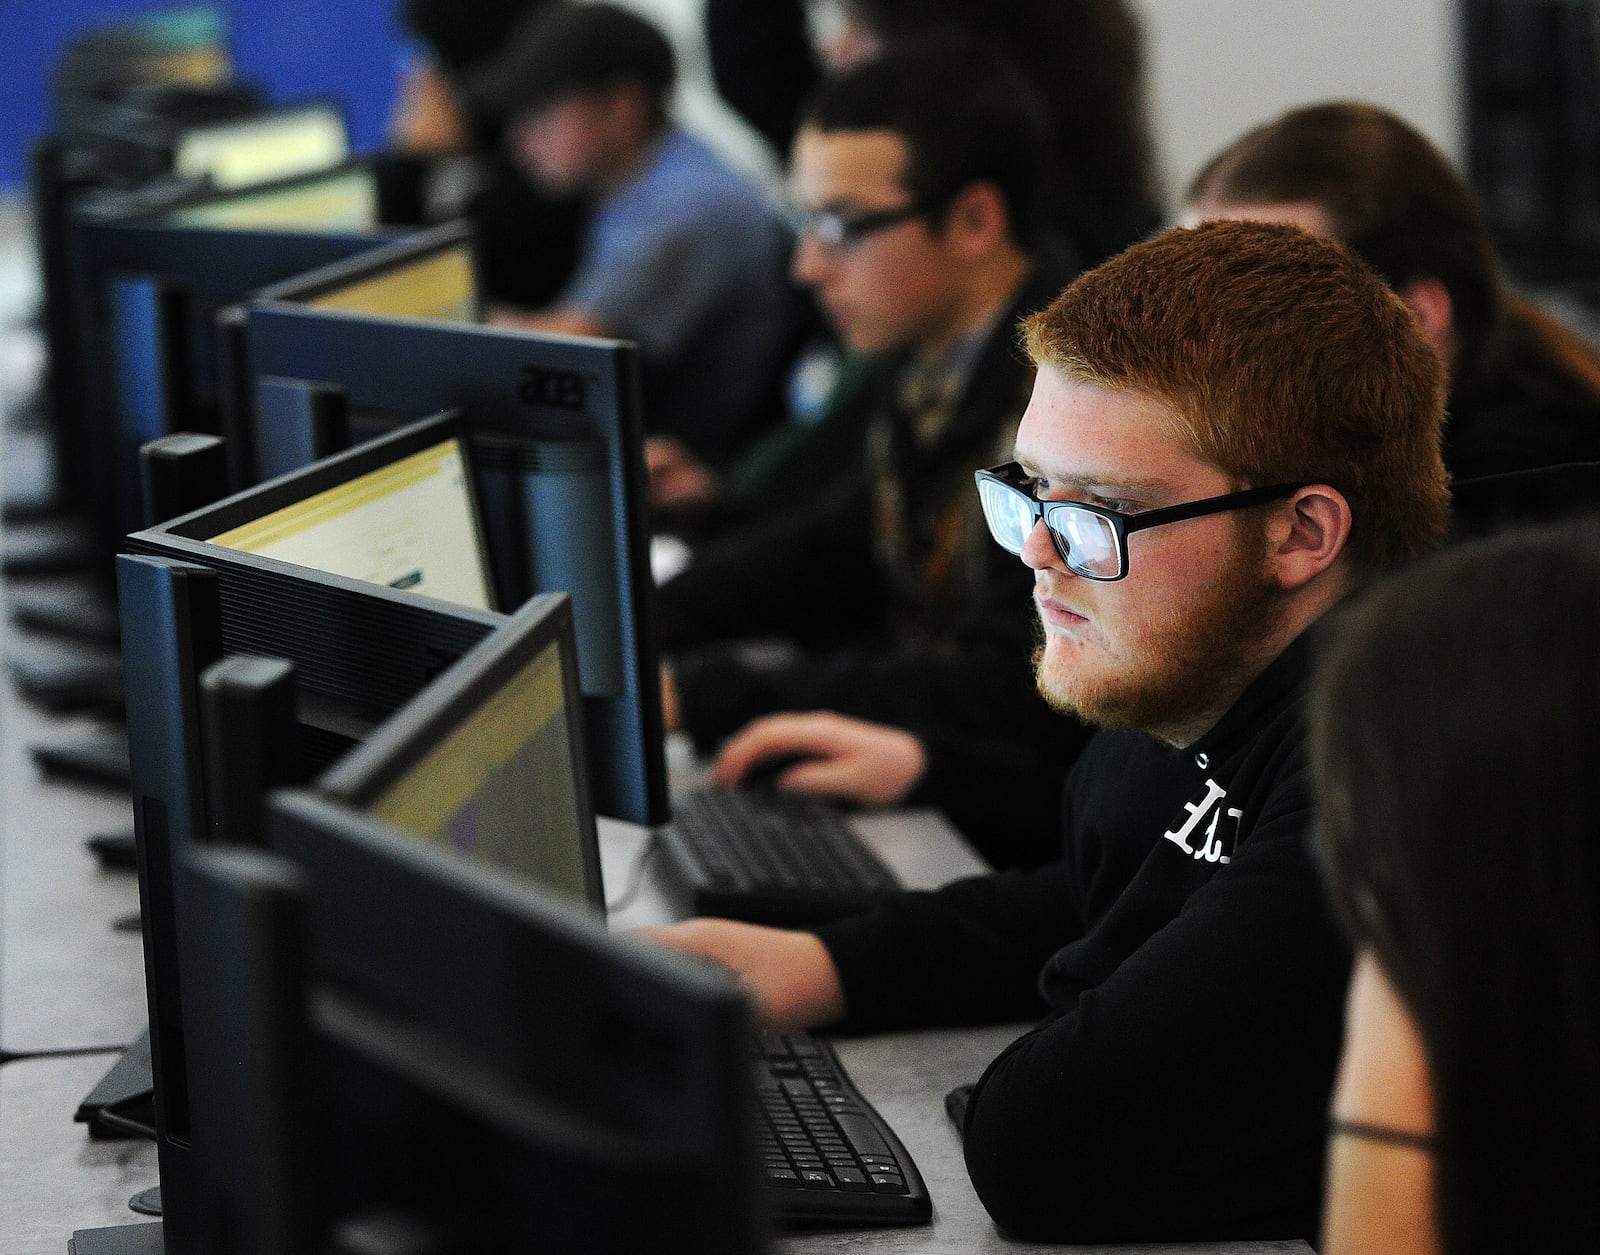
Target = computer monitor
(558,441)
(361,650)
(401,511)
(145,288)
(488,760)
(275,144)
(420,1053)
(430,275)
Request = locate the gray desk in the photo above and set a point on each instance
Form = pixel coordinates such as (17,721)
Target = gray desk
(55,1178)
(68,980)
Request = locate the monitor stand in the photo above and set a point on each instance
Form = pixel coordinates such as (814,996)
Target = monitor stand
(63,681)
(87,613)
(33,504)
(99,758)
(51,548)
(126,1239)
(126,1091)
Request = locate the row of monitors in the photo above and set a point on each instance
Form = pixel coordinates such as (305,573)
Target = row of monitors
(419,936)
(382,329)
(396,1005)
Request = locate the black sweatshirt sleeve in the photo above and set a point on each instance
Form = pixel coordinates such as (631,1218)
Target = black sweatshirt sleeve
(1182,1098)
(969,953)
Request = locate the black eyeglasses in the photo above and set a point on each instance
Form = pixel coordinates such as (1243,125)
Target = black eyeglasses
(1091,540)
(835,230)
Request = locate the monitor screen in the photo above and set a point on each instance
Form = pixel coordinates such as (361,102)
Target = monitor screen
(342,199)
(431,275)
(262,147)
(410,522)
(488,759)
(405,1051)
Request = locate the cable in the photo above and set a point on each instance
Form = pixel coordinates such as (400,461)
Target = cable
(635,878)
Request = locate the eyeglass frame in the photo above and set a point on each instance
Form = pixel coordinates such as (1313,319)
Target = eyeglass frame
(1008,475)
(840,232)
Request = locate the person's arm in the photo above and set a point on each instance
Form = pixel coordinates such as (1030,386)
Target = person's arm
(869,764)
(1003,794)
(1183,1097)
(788,974)
(969,953)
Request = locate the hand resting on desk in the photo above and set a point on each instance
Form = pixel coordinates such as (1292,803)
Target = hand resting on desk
(851,760)
(789,975)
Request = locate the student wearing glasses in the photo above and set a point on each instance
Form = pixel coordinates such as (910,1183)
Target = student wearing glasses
(916,180)
(1232,426)
(1455,725)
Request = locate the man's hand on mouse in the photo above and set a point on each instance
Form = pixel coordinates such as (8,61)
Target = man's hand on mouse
(833,756)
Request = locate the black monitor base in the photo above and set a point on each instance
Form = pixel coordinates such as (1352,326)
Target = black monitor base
(47,549)
(126,1092)
(81,614)
(95,758)
(123,1239)
(60,682)
(115,851)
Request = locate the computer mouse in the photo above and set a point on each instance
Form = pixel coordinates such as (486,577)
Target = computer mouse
(764,774)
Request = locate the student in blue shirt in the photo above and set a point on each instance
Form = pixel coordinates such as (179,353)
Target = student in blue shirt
(681,253)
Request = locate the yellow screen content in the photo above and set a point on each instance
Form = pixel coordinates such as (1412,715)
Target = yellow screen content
(258,150)
(347,201)
(512,757)
(407,525)
(441,286)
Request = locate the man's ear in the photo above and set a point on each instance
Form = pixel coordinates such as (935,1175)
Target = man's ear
(977,216)
(1307,534)
(1430,301)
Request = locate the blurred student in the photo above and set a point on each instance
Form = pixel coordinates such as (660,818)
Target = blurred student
(1455,729)
(1084,59)
(1191,492)
(681,253)
(916,180)
(445,152)
(1524,389)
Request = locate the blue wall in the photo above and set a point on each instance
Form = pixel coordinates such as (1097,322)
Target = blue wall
(347,49)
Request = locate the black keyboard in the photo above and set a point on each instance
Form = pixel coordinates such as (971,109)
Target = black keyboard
(827,1156)
(770,858)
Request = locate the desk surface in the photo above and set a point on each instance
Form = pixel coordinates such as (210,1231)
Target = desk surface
(57,908)
(56,1178)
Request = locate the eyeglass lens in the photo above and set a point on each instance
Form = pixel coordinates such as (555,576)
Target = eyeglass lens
(1086,541)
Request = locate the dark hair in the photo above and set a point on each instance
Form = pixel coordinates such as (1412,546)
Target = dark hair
(1389,193)
(965,118)
(1085,59)
(1455,739)
(1280,357)
(464,33)
(564,48)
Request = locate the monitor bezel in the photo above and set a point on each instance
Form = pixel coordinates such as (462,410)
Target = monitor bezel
(190,533)
(495,373)
(306,288)
(406,737)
